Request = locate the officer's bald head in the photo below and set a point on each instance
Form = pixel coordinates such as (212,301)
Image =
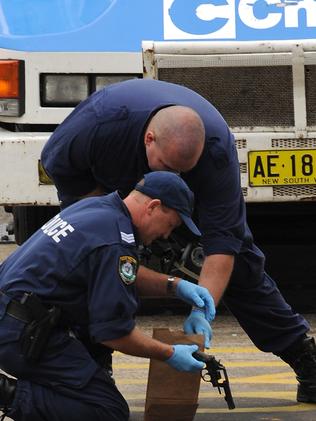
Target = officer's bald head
(174,139)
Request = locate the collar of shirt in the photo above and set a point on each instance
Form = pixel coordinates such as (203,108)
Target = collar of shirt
(121,205)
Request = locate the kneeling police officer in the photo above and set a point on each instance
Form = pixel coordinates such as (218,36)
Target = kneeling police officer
(78,273)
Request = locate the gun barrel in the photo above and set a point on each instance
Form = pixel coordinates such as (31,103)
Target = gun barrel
(229,398)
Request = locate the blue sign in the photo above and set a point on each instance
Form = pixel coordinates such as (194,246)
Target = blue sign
(242,20)
(122,25)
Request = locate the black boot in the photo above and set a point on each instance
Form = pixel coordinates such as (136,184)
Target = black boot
(7,391)
(303,362)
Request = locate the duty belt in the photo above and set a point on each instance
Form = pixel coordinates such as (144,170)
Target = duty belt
(18,310)
(39,320)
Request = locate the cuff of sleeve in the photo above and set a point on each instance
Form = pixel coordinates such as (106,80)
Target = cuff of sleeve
(113,329)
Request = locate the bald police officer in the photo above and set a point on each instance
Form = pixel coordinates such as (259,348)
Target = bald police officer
(78,273)
(131,128)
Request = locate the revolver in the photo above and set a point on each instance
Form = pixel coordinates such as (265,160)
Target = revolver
(213,374)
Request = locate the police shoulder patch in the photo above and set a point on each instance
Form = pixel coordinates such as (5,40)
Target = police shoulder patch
(128,269)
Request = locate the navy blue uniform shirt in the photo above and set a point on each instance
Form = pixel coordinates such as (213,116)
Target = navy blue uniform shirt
(102,141)
(85,261)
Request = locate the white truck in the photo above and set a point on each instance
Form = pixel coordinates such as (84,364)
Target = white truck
(255,60)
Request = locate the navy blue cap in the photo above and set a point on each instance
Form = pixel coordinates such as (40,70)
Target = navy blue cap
(173,193)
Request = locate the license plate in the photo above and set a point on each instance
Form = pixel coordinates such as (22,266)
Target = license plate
(282,167)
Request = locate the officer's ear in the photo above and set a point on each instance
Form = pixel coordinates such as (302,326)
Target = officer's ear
(152,205)
(149,138)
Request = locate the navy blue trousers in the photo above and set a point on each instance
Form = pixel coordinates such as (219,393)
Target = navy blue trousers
(65,385)
(256,302)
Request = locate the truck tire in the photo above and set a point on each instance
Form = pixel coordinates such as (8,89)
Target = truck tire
(28,219)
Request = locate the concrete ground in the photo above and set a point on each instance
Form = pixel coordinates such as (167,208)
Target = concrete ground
(5,219)
(263,387)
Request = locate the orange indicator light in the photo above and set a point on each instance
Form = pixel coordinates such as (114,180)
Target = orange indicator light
(9,78)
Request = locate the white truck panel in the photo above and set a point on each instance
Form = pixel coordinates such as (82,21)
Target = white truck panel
(61,62)
(19,177)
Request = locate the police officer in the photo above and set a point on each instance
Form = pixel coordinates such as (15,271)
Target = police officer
(137,126)
(78,272)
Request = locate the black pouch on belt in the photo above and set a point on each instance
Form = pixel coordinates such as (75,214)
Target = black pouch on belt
(37,332)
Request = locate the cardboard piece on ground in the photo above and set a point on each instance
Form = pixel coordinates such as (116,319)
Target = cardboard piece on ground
(172,395)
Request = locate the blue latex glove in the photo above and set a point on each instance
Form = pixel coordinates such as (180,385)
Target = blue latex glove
(196,323)
(182,359)
(196,296)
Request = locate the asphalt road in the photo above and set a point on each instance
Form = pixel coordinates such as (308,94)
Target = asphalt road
(263,387)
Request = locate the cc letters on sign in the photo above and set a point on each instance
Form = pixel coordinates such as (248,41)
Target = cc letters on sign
(239,19)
